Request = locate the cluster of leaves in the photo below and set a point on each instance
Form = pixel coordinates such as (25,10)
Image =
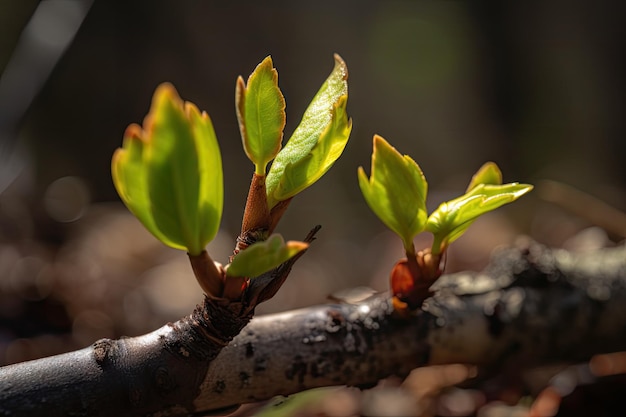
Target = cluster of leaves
(169,172)
(396,192)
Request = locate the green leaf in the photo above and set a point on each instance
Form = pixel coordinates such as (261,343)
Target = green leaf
(489,173)
(452,218)
(396,191)
(323,111)
(260,109)
(130,179)
(306,171)
(264,256)
(169,174)
(211,186)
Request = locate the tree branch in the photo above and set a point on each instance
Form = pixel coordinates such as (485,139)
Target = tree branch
(531,306)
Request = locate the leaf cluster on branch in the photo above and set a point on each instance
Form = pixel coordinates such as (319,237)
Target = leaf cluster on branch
(531,306)
(169,174)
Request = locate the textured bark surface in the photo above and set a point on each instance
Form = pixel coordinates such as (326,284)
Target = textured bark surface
(155,374)
(531,306)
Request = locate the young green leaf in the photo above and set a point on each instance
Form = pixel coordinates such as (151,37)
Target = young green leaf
(169,174)
(306,171)
(452,218)
(260,109)
(325,108)
(264,256)
(130,179)
(396,191)
(489,173)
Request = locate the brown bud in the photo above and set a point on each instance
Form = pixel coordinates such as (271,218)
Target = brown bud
(411,278)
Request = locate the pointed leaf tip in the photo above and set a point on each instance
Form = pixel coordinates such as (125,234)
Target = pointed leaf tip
(489,173)
(340,66)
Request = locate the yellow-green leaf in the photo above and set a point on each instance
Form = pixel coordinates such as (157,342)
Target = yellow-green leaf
(169,173)
(260,109)
(130,180)
(396,191)
(264,256)
(452,218)
(306,171)
(315,122)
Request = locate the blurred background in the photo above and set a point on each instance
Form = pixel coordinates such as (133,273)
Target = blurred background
(537,87)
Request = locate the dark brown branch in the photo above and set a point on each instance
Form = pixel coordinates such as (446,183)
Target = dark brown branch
(161,370)
(531,306)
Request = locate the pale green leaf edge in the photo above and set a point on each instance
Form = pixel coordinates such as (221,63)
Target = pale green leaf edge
(129,180)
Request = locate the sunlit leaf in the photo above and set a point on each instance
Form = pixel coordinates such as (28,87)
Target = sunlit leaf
(489,173)
(396,191)
(452,218)
(169,173)
(261,113)
(320,114)
(264,256)
(130,179)
(327,150)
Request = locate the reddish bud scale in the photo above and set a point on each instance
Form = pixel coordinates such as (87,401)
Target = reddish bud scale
(234,287)
(411,279)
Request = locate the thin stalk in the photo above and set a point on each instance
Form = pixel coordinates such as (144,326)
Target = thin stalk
(256,214)
(210,278)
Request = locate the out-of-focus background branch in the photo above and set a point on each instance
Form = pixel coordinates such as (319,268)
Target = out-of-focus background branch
(537,87)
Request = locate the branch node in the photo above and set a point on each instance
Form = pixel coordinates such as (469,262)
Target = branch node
(101,350)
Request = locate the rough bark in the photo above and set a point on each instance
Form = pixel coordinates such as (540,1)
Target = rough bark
(155,374)
(531,306)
